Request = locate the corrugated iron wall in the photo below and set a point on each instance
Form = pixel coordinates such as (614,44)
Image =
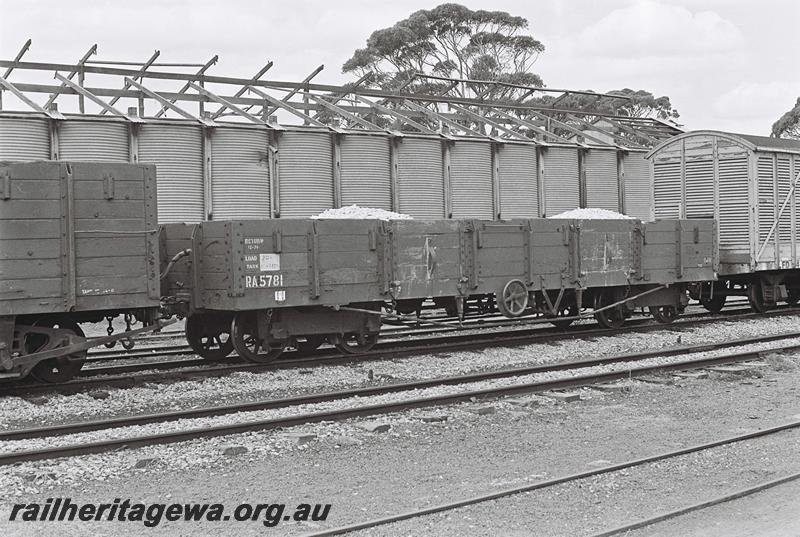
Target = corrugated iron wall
(98,141)
(365,171)
(305,173)
(519,181)
(637,186)
(561,180)
(420,178)
(602,179)
(240,171)
(471,190)
(24,139)
(177,152)
(240,181)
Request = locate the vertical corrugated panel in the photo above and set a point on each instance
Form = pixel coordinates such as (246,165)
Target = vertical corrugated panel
(471,180)
(177,152)
(700,188)
(306,173)
(99,141)
(734,212)
(638,186)
(784,185)
(667,188)
(795,171)
(240,185)
(766,198)
(519,187)
(24,138)
(420,181)
(561,181)
(602,182)
(366,171)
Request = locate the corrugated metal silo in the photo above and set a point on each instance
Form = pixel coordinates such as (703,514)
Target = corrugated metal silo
(561,181)
(602,180)
(305,164)
(365,167)
(519,183)
(471,191)
(177,152)
(240,186)
(420,188)
(24,138)
(638,186)
(94,140)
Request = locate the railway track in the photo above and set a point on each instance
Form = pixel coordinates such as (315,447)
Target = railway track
(128,375)
(609,469)
(127,442)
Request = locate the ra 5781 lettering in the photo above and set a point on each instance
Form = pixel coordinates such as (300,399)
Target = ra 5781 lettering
(258,281)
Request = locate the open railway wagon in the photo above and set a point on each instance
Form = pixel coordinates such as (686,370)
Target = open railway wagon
(78,244)
(260,286)
(749,185)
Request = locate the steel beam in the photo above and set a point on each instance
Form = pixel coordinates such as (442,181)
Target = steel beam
(243,89)
(287,107)
(95,99)
(127,85)
(292,93)
(228,104)
(73,71)
(167,103)
(185,87)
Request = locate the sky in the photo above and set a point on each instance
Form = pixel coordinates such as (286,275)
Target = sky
(725,64)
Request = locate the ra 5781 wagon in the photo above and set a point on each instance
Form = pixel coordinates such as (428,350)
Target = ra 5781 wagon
(261,285)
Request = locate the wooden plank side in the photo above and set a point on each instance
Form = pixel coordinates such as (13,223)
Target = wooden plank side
(122,190)
(111,266)
(30,229)
(30,250)
(110,285)
(109,210)
(30,268)
(30,209)
(30,288)
(107,227)
(120,246)
(34,189)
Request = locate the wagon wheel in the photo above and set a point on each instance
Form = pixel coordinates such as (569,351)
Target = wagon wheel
(211,343)
(512,299)
(311,343)
(664,314)
(756,298)
(353,343)
(59,369)
(610,318)
(570,310)
(248,345)
(714,304)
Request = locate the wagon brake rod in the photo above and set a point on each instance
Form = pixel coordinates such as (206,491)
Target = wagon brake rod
(393,316)
(777,219)
(88,344)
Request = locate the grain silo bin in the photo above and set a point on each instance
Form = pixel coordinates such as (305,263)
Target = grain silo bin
(561,181)
(420,177)
(471,179)
(240,178)
(365,170)
(24,136)
(518,179)
(601,179)
(305,172)
(748,184)
(94,139)
(637,185)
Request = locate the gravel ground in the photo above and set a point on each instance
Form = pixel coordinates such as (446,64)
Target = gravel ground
(246,386)
(419,463)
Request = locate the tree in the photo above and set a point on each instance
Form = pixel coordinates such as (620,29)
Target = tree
(788,126)
(451,41)
(639,103)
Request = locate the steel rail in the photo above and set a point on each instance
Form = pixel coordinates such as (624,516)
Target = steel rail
(558,481)
(71,428)
(102,446)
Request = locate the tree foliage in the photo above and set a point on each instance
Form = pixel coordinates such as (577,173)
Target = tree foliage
(639,103)
(450,41)
(788,125)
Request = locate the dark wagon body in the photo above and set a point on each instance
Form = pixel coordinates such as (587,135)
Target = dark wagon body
(314,279)
(78,243)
